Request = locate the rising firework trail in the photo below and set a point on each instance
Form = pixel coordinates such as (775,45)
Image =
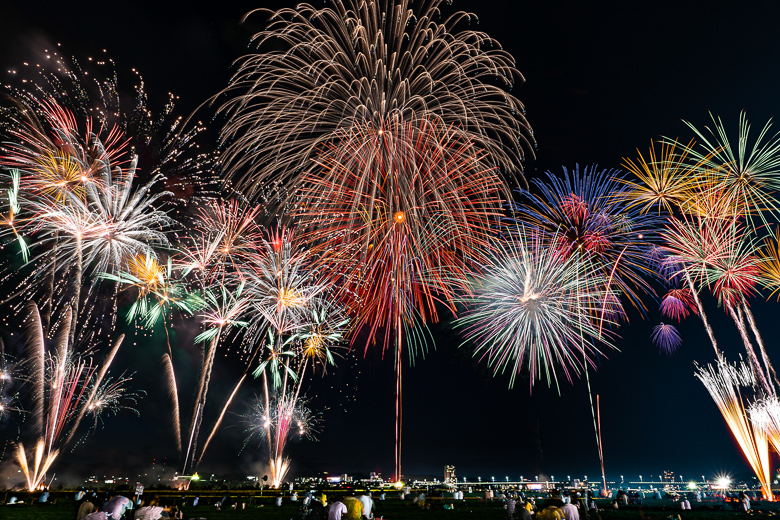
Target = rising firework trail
(729,385)
(66,386)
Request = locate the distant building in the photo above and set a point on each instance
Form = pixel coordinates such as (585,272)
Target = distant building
(449,475)
(374,476)
(668,476)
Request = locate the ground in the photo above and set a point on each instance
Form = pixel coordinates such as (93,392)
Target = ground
(262,508)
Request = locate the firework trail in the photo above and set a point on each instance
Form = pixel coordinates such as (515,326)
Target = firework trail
(160,290)
(355,63)
(220,313)
(725,382)
(721,254)
(66,387)
(301,327)
(533,307)
(396,218)
(351,71)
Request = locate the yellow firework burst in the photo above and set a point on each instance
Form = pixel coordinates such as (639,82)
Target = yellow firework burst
(664,180)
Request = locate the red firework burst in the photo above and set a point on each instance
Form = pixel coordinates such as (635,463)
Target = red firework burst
(397,214)
(678,304)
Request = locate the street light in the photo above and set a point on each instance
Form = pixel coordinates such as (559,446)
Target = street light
(493,479)
(640,478)
(621,479)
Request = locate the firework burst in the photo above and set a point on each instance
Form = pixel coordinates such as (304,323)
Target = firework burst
(397,219)
(534,308)
(745,175)
(585,214)
(352,63)
(678,304)
(665,181)
(666,338)
(276,421)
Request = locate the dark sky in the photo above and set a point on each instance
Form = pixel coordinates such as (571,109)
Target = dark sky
(602,78)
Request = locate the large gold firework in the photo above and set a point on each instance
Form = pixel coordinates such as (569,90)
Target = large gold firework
(354,61)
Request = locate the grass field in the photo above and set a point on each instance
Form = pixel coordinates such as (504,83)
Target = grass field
(390,510)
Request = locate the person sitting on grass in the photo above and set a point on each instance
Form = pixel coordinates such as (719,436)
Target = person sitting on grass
(86,507)
(552,511)
(151,512)
(97,514)
(354,508)
(336,510)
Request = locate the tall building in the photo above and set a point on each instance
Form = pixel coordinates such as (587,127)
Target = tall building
(449,475)
(668,476)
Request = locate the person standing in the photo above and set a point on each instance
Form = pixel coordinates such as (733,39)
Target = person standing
(511,505)
(744,501)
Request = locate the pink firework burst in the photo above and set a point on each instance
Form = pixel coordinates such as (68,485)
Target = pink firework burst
(678,304)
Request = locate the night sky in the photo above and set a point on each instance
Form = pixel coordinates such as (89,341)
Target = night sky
(602,78)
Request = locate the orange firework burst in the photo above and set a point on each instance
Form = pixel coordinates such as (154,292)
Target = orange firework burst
(664,181)
(60,161)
